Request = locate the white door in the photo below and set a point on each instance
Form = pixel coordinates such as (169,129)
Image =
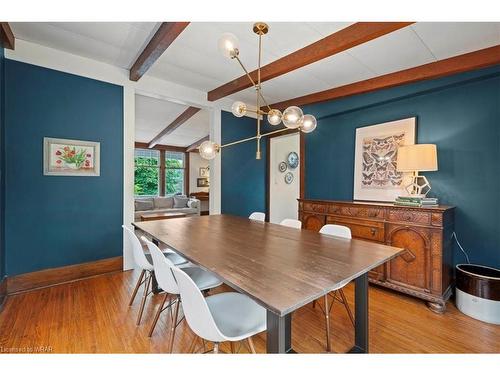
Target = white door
(283,196)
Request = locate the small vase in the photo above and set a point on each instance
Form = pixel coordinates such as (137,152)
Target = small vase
(72,165)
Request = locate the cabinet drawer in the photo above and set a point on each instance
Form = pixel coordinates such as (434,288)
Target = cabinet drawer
(315,207)
(362,229)
(409,216)
(354,211)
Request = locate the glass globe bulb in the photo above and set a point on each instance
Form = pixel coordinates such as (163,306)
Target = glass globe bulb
(274,116)
(228,45)
(292,117)
(208,150)
(308,123)
(239,109)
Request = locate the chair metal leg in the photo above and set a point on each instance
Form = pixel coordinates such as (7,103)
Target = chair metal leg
(139,282)
(346,305)
(158,313)
(192,347)
(250,344)
(174,325)
(216,348)
(334,296)
(327,321)
(144,296)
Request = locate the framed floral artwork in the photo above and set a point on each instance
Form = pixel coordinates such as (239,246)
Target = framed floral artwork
(68,157)
(376,177)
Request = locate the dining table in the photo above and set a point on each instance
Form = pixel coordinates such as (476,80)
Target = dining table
(280,268)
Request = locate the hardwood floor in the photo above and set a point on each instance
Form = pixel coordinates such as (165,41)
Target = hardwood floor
(92,316)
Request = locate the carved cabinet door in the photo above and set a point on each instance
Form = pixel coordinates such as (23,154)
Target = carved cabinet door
(313,221)
(412,268)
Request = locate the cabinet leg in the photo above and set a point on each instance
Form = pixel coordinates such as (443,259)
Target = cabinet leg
(437,307)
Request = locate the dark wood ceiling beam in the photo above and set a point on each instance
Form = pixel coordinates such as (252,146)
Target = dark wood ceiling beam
(162,39)
(337,42)
(194,147)
(145,145)
(7,36)
(453,65)
(183,117)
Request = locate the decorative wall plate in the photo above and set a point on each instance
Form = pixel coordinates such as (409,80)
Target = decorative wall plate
(282,167)
(293,160)
(289,178)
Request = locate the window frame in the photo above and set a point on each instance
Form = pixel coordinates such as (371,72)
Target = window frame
(158,166)
(162,182)
(185,156)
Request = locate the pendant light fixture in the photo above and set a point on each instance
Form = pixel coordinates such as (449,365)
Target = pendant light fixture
(292,117)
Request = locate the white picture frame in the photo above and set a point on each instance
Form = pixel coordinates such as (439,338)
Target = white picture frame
(204,172)
(69,157)
(375,176)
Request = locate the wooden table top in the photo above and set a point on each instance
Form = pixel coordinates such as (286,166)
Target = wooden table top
(281,268)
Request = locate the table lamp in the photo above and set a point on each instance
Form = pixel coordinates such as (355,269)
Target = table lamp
(417,158)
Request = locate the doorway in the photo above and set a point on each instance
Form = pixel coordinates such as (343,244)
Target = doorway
(283,177)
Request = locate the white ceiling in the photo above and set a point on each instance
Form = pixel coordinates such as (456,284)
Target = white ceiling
(194,61)
(153,115)
(115,43)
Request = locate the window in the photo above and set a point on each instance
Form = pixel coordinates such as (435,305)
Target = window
(174,172)
(147,172)
(159,172)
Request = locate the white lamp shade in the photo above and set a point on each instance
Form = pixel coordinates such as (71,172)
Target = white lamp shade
(421,157)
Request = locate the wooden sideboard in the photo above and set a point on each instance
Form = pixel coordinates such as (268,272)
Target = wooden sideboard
(204,197)
(425,270)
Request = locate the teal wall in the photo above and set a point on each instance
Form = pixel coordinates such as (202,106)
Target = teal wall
(54,221)
(460,114)
(243,187)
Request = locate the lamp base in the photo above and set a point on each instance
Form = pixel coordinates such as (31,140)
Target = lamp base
(419,187)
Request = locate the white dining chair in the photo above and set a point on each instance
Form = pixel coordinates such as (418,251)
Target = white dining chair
(292,223)
(336,230)
(203,280)
(343,232)
(144,264)
(258,216)
(222,317)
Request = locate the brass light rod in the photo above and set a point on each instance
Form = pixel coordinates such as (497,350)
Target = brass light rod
(257,87)
(252,138)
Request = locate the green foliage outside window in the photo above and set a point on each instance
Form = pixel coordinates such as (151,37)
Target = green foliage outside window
(146,176)
(147,172)
(174,178)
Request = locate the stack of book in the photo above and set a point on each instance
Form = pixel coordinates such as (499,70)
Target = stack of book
(416,201)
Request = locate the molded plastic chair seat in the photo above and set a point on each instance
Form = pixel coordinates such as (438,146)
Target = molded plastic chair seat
(171,256)
(340,231)
(143,261)
(292,223)
(236,315)
(221,317)
(257,216)
(204,280)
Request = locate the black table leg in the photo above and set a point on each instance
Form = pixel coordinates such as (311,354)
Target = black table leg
(154,282)
(361,315)
(279,333)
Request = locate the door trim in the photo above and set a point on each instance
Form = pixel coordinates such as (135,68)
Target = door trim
(302,165)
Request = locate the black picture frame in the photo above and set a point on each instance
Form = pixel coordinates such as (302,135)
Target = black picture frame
(202,182)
